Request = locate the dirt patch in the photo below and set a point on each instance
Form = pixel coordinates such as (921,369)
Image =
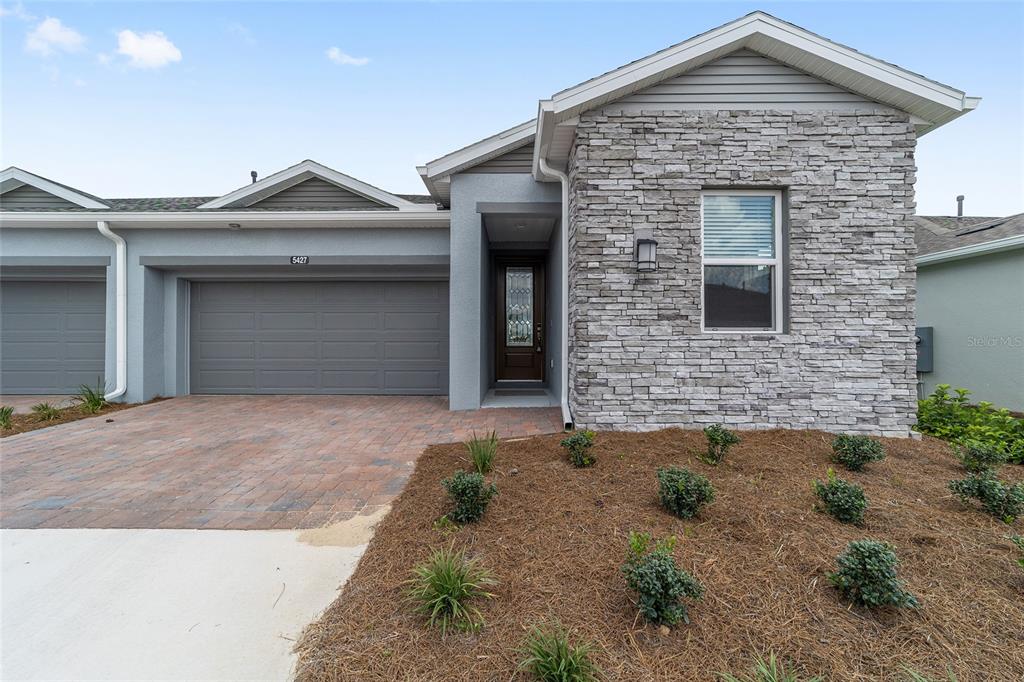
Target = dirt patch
(349,533)
(23,423)
(556,537)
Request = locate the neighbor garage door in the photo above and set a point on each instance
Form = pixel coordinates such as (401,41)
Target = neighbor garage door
(51,336)
(319,337)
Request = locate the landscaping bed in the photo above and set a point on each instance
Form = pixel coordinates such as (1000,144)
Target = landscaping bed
(22,423)
(555,538)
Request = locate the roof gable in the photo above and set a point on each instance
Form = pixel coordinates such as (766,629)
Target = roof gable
(262,191)
(20,189)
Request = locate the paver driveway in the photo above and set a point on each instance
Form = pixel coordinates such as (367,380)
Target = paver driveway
(234,462)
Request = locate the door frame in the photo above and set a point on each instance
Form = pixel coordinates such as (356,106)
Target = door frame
(539,309)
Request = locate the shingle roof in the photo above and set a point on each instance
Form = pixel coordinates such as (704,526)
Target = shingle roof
(942,233)
(191,203)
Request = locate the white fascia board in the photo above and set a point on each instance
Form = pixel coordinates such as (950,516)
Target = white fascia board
(481,151)
(427,218)
(303,171)
(12,178)
(994,246)
(545,129)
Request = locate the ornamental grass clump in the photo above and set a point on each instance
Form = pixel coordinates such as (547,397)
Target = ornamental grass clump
(844,501)
(90,399)
(443,587)
(768,669)
(549,656)
(1004,501)
(720,439)
(683,492)
(578,446)
(6,413)
(866,575)
(470,495)
(482,452)
(659,583)
(853,452)
(45,412)
(977,457)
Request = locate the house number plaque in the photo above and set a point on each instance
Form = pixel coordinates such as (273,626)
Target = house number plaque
(300,260)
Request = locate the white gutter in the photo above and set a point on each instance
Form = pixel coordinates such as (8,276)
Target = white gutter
(564,180)
(972,250)
(121,298)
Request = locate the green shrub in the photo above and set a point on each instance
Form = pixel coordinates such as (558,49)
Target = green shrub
(683,492)
(482,452)
(45,412)
(550,657)
(1002,500)
(659,583)
(6,413)
(978,457)
(470,495)
(1019,541)
(767,670)
(867,575)
(578,445)
(853,452)
(844,501)
(954,419)
(90,399)
(720,439)
(443,586)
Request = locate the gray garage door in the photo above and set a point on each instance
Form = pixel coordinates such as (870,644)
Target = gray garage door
(320,337)
(51,336)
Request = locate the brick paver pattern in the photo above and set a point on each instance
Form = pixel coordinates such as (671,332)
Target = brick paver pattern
(234,462)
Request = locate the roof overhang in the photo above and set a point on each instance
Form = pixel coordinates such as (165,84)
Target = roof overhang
(427,217)
(300,172)
(12,178)
(972,250)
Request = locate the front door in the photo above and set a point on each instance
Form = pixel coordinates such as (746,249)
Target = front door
(520,320)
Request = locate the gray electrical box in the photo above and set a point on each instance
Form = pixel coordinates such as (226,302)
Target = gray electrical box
(925,348)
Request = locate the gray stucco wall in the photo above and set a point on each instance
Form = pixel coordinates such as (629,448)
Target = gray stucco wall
(977,310)
(638,358)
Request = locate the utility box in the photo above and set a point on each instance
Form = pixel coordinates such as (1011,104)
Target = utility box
(925,348)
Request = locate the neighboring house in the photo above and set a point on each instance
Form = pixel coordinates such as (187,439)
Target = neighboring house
(970,292)
(719,232)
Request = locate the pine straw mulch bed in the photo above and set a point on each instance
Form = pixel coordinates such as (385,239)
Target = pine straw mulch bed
(23,423)
(555,537)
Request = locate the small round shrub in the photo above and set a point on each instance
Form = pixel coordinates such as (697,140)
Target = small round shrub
(470,495)
(720,439)
(977,457)
(683,492)
(844,501)
(578,446)
(550,657)
(853,452)
(866,575)
(443,586)
(659,583)
(1002,500)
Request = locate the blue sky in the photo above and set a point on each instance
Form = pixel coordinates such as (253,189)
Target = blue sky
(185,98)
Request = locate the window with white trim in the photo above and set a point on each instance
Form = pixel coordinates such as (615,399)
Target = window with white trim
(741,242)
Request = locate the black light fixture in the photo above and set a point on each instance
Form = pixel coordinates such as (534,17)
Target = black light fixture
(646,254)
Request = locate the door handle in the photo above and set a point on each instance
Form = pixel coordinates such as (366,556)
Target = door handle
(540,336)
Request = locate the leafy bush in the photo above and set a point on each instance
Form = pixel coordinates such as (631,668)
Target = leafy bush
(1002,500)
(978,457)
(45,412)
(6,413)
(867,575)
(443,586)
(683,492)
(91,399)
(767,670)
(659,583)
(720,439)
(844,501)
(853,452)
(482,452)
(954,419)
(470,495)
(578,446)
(551,658)
(1019,541)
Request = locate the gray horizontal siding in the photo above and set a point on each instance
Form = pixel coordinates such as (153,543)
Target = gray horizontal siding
(28,196)
(317,193)
(744,80)
(516,161)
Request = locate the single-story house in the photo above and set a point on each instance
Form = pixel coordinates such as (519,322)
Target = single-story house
(970,302)
(721,231)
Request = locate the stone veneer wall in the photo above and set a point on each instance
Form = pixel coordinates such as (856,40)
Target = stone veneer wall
(846,361)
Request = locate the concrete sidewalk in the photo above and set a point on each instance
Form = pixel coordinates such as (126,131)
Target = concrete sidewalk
(164,604)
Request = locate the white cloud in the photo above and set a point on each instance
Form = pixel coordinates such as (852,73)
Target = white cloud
(17,10)
(339,57)
(150,50)
(51,36)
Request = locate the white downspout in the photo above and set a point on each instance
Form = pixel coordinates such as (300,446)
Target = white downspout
(121,298)
(564,180)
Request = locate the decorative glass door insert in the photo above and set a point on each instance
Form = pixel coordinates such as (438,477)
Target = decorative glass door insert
(519,306)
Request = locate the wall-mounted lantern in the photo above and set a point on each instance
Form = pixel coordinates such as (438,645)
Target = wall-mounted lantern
(646,254)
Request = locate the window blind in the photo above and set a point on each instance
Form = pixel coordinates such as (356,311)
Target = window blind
(739,226)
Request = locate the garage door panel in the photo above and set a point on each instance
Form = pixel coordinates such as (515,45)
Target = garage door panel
(15,323)
(85,322)
(356,338)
